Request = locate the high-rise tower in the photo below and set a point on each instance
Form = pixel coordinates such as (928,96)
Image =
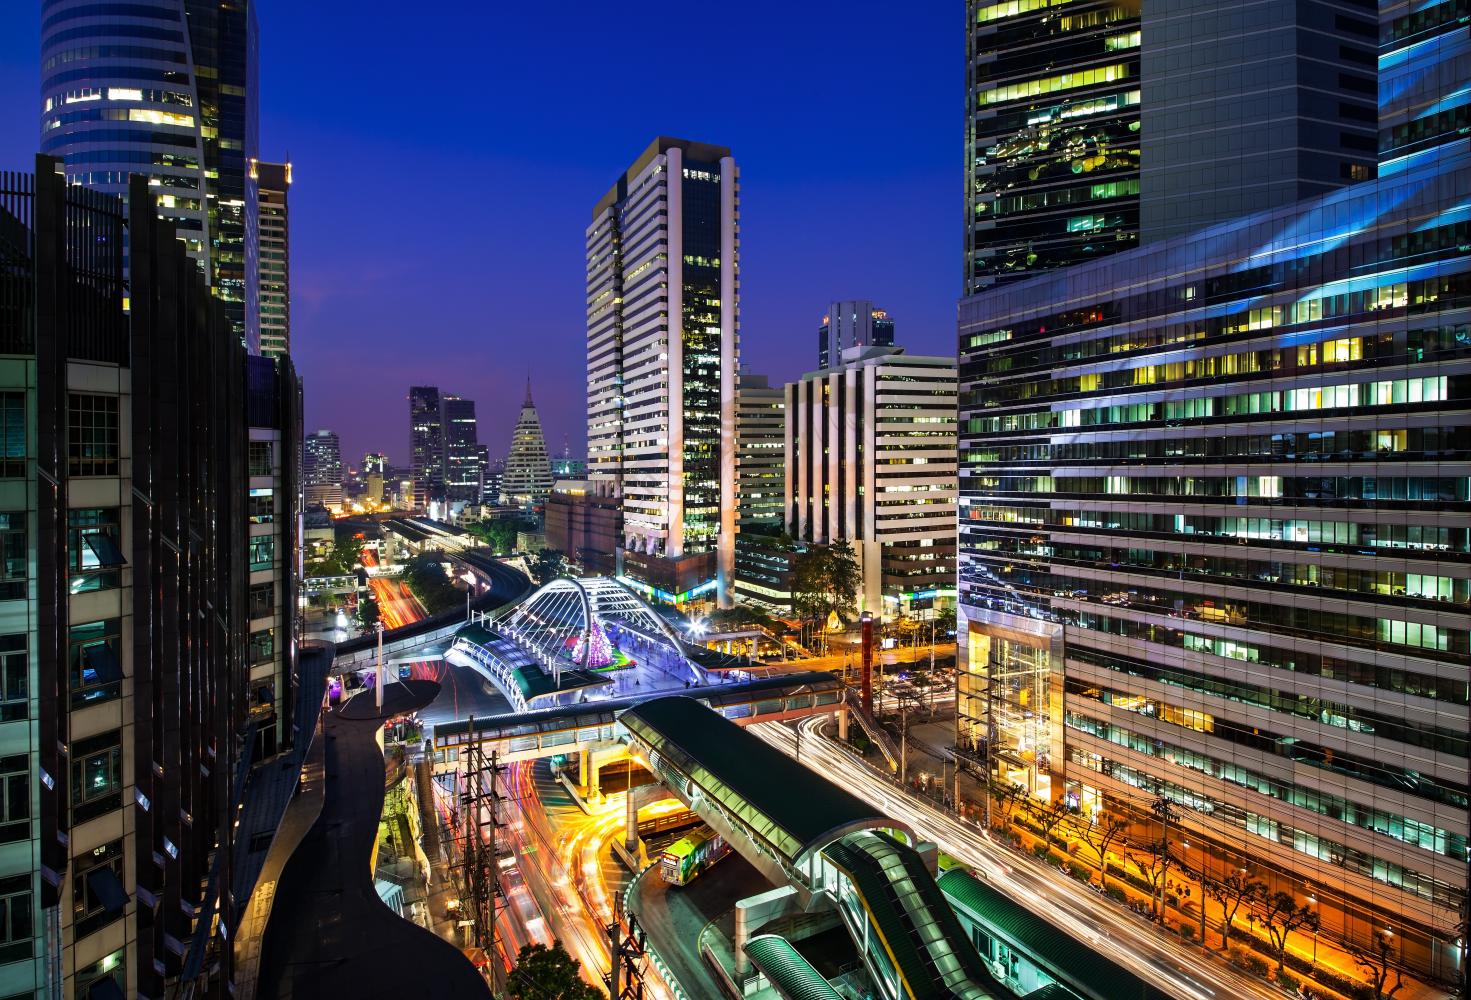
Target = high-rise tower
(165,88)
(662,320)
(1094,124)
(851,324)
(426,444)
(462,473)
(271,307)
(1214,545)
(528,474)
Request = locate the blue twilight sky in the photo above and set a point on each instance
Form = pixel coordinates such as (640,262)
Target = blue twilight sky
(447,158)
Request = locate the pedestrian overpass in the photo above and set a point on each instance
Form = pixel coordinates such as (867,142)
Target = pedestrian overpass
(825,849)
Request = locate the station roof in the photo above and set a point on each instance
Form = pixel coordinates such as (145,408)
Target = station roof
(790,974)
(530,678)
(1032,934)
(792,809)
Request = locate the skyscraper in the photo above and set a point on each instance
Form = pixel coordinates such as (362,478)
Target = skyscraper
(1214,539)
(165,88)
(870,448)
(1228,108)
(462,474)
(527,479)
(852,324)
(271,309)
(321,469)
(426,445)
(662,348)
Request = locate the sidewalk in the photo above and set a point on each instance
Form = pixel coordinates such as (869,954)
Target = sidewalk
(929,741)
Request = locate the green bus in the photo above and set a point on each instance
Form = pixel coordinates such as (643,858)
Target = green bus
(685,859)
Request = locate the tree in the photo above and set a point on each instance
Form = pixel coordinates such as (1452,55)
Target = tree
(1233,892)
(1378,967)
(825,582)
(543,973)
(1101,833)
(1282,916)
(1048,817)
(1153,861)
(548,565)
(1008,797)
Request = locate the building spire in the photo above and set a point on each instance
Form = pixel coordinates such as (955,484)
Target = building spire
(528,391)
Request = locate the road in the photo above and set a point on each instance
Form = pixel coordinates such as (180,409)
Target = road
(396,602)
(1068,905)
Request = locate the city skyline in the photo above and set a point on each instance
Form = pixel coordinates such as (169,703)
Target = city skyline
(525,307)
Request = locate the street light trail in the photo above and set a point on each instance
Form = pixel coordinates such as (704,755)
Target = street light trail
(1073,908)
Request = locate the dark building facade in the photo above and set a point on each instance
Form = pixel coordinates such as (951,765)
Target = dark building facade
(426,444)
(125,478)
(584,521)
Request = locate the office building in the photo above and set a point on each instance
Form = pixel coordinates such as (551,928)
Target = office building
(872,462)
(461,462)
(1090,127)
(492,480)
(127,714)
(662,349)
(1214,537)
(852,324)
(274,452)
(527,479)
(321,470)
(426,445)
(165,88)
(584,523)
(271,309)
(760,487)
(567,467)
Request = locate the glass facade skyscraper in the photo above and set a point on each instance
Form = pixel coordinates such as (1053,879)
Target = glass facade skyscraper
(1214,541)
(165,88)
(426,444)
(1093,125)
(271,306)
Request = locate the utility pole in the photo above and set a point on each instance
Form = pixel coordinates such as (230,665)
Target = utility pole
(625,979)
(1165,810)
(480,809)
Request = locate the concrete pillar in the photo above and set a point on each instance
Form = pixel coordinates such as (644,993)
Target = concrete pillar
(843,724)
(742,935)
(583,759)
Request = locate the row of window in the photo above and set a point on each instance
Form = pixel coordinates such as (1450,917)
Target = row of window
(1417,883)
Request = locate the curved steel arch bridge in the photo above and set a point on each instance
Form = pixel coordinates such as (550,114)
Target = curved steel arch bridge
(587,616)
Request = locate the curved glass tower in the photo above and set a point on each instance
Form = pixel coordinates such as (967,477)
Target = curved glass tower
(164,88)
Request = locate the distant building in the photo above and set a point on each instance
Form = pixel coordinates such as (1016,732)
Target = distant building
(271,183)
(321,472)
(661,359)
(852,324)
(492,479)
(872,461)
(584,521)
(569,468)
(528,476)
(375,461)
(426,445)
(462,476)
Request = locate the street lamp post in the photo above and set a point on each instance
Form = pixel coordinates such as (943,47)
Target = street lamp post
(378,686)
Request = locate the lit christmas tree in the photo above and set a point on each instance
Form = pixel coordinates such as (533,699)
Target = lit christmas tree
(593,650)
